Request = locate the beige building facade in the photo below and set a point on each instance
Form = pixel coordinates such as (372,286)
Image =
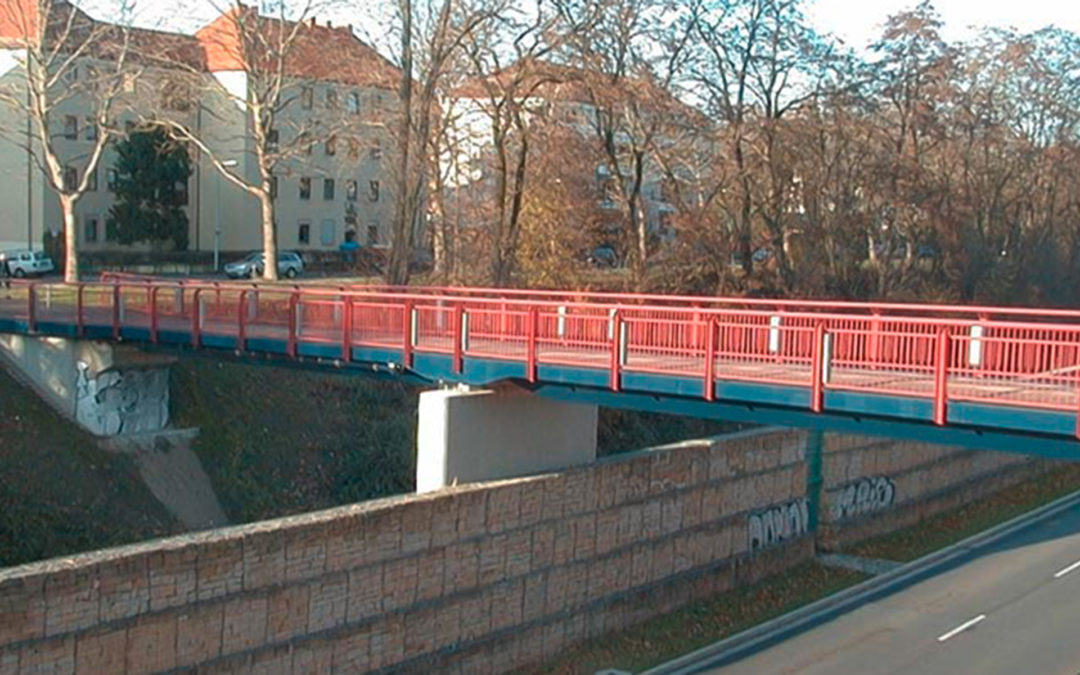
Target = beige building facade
(339,184)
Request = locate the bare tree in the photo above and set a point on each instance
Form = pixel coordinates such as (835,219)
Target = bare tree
(74,70)
(272,53)
(631,57)
(755,61)
(429,39)
(511,79)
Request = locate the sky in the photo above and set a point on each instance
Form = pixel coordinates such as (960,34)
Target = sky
(856,22)
(859,22)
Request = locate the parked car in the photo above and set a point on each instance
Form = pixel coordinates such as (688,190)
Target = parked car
(290,264)
(603,255)
(26,263)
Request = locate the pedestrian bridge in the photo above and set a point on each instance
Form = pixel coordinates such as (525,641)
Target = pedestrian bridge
(987,377)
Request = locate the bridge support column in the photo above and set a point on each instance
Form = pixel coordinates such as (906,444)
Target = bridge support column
(106,389)
(475,435)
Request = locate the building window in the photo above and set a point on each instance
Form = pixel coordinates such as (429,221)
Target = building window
(90,229)
(352,189)
(331,98)
(331,146)
(354,103)
(373,235)
(71,127)
(329,232)
(71,178)
(303,233)
(91,184)
(307,97)
(305,189)
(373,190)
(111,177)
(72,75)
(273,140)
(328,189)
(376,152)
(90,131)
(273,187)
(354,149)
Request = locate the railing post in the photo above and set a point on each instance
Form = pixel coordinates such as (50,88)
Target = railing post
(617,351)
(153,314)
(116,303)
(775,322)
(875,337)
(409,329)
(31,307)
(346,328)
(241,321)
(80,328)
(531,346)
(196,319)
(820,367)
(941,378)
(294,307)
(461,337)
(710,360)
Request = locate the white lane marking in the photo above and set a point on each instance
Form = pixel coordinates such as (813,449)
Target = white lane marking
(1068,569)
(961,628)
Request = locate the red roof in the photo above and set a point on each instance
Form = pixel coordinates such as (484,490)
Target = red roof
(315,52)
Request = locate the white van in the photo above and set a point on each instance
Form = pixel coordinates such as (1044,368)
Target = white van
(26,263)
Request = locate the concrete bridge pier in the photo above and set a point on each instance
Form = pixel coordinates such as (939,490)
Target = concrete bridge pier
(471,435)
(106,389)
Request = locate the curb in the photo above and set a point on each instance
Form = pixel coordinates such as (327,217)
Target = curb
(741,644)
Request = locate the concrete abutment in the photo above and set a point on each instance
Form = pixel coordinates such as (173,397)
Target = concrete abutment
(473,435)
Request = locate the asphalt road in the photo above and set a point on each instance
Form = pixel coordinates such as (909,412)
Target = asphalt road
(1012,608)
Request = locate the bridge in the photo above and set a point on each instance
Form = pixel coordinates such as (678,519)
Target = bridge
(996,378)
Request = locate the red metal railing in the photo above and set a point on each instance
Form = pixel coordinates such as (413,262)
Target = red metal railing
(1026,358)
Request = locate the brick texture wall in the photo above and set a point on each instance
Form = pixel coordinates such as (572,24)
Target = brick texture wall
(476,579)
(874,485)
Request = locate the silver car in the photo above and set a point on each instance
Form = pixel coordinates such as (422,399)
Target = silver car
(252,265)
(26,263)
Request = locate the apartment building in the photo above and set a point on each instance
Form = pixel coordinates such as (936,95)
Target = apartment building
(337,117)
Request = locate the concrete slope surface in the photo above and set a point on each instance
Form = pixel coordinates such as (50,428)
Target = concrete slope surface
(174,474)
(1010,608)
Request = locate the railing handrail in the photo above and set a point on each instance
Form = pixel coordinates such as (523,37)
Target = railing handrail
(1016,344)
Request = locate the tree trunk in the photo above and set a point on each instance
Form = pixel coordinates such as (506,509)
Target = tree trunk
(439,240)
(397,268)
(71,253)
(269,230)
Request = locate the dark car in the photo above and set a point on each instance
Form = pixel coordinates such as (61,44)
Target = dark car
(603,256)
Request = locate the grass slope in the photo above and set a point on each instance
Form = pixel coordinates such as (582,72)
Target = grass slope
(278,440)
(61,494)
(274,441)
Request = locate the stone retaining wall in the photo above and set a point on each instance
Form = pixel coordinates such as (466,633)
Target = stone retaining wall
(872,486)
(481,578)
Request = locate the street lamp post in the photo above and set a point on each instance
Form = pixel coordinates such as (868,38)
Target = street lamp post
(228,164)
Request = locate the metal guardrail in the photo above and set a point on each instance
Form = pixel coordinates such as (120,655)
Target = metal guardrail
(1018,357)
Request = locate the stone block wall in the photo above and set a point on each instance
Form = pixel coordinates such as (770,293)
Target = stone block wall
(475,579)
(873,485)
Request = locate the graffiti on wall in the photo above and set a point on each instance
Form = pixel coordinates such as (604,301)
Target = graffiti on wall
(117,402)
(778,524)
(868,495)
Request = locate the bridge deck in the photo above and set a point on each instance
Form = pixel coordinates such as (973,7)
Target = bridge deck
(987,367)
